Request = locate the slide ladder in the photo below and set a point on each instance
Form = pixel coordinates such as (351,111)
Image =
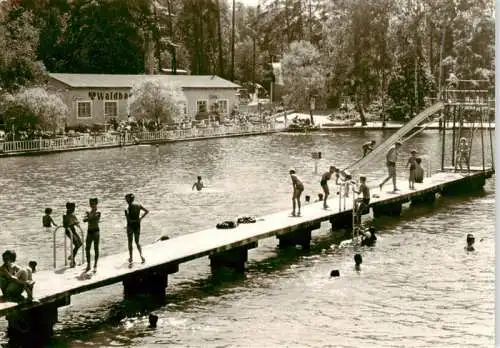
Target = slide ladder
(385,146)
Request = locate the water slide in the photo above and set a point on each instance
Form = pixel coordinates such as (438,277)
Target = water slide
(385,146)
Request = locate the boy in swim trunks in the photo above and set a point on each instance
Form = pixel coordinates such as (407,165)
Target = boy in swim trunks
(47,220)
(324,184)
(69,223)
(298,188)
(391,159)
(362,203)
(132,213)
(92,218)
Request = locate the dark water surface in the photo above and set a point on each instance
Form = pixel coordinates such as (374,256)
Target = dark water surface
(417,287)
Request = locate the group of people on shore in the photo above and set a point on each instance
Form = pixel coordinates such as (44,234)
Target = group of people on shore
(14,280)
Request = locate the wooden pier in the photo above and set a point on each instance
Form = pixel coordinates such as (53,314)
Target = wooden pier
(225,248)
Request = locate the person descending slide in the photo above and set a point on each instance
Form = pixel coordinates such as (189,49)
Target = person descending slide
(391,158)
(132,213)
(324,184)
(368,147)
(298,188)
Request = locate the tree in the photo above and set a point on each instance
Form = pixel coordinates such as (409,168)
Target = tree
(34,110)
(303,75)
(154,100)
(18,45)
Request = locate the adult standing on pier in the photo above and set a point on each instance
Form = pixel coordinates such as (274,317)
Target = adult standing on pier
(298,188)
(391,159)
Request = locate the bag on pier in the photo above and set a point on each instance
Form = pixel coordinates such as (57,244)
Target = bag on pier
(246,220)
(226,225)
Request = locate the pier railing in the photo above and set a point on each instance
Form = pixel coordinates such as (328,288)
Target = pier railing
(127,138)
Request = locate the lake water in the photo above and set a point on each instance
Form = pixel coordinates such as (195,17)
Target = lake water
(417,287)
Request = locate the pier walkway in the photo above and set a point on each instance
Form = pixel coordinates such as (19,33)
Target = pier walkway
(225,247)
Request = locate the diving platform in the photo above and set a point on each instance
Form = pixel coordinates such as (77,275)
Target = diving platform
(224,247)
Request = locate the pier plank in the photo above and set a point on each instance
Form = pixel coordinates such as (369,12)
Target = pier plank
(62,283)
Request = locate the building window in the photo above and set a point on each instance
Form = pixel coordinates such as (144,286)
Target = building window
(222,106)
(84,109)
(110,109)
(201,106)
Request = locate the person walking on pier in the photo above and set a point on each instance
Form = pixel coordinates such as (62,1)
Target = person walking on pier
(298,188)
(412,162)
(92,218)
(132,213)
(69,223)
(368,147)
(324,184)
(391,158)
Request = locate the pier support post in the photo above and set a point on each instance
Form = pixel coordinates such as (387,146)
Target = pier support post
(465,185)
(427,198)
(234,258)
(301,236)
(153,281)
(391,209)
(33,327)
(342,220)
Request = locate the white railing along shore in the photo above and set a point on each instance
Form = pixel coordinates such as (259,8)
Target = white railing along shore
(127,138)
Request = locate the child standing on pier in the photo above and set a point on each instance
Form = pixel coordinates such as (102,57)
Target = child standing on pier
(92,218)
(419,171)
(132,213)
(47,220)
(298,188)
(412,162)
(361,203)
(69,223)
(463,153)
(324,184)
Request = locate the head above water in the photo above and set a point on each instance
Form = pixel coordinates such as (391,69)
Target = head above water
(320,195)
(470,239)
(308,198)
(358,259)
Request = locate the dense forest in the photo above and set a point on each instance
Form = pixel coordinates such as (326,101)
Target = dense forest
(389,52)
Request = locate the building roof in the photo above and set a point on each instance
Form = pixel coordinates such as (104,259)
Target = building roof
(128,81)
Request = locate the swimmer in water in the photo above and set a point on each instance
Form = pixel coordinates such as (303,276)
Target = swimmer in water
(358,260)
(198,184)
(470,243)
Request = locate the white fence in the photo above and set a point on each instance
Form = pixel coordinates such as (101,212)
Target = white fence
(110,140)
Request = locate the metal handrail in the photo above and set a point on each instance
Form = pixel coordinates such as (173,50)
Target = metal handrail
(66,245)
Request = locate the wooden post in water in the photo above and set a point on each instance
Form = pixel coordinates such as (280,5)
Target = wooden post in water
(444,138)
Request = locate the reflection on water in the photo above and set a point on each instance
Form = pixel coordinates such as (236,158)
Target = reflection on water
(416,288)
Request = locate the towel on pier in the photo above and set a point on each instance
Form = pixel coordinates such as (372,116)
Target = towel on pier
(226,225)
(246,220)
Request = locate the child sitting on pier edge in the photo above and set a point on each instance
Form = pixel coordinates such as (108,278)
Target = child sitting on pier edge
(132,213)
(298,188)
(14,280)
(324,184)
(412,162)
(92,218)
(361,203)
(320,198)
(69,223)
(47,220)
